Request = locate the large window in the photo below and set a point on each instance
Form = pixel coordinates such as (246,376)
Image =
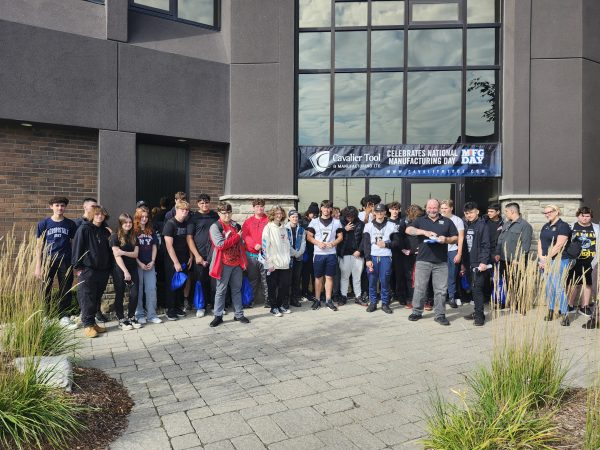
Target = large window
(196,12)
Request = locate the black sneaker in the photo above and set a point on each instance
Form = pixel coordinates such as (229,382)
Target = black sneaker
(361,301)
(372,307)
(218,320)
(550,316)
(330,305)
(316,304)
(342,300)
(565,322)
(479,321)
(442,320)
(386,309)
(101,317)
(172,315)
(452,303)
(180,312)
(242,319)
(414,317)
(296,304)
(590,324)
(585,311)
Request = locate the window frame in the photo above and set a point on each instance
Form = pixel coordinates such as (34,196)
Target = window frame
(172,13)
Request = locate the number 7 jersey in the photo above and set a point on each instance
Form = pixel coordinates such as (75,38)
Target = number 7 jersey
(325,232)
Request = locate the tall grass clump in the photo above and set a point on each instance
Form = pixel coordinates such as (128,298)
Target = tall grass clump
(31,412)
(592,422)
(512,401)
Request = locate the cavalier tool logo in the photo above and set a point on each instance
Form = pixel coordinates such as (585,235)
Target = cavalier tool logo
(320,161)
(472,156)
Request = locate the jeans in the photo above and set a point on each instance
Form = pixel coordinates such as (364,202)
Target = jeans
(120,286)
(91,286)
(452,273)
(425,270)
(382,270)
(555,286)
(257,275)
(279,286)
(147,285)
(61,268)
(351,265)
(231,276)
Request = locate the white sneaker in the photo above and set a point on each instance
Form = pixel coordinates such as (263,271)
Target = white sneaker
(135,323)
(200,313)
(276,312)
(125,325)
(155,320)
(304,299)
(458,302)
(67,323)
(282,310)
(142,320)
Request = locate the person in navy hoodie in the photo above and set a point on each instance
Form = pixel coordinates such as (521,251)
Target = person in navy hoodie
(55,234)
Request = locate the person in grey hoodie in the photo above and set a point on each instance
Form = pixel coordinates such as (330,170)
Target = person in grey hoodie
(297,239)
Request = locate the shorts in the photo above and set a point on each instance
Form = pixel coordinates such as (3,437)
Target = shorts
(579,272)
(325,265)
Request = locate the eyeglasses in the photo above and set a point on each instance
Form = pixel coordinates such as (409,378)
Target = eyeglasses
(549,212)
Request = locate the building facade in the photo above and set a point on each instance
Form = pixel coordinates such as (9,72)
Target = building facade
(136,99)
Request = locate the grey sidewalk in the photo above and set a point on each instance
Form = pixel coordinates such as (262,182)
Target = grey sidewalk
(308,380)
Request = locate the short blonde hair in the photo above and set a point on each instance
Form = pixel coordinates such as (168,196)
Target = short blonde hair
(449,203)
(182,204)
(554,207)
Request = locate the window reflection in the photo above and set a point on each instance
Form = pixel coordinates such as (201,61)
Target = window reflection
(386,108)
(351,14)
(313,109)
(434,48)
(350,49)
(481,106)
(311,191)
(387,48)
(349,120)
(389,189)
(159,4)
(481,11)
(314,50)
(433,110)
(202,11)
(387,13)
(315,13)
(435,12)
(481,46)
(348,192)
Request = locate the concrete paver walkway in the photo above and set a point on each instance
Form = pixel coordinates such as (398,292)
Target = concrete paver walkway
(308,380)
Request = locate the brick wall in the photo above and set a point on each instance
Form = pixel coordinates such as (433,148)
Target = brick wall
(207,172)
(39,162)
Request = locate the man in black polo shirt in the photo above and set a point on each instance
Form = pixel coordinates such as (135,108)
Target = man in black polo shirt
(434,232)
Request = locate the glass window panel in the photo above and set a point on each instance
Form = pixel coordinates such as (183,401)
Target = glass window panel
(387,13)
(386,107)
(201,11)
(350,49)
(481,11)
(313,109)
(434,48)
(314,13)
(481,106)
(314,50)
(352,14)
(481,46)
(387,48)
(348,192)
(350,108)
(311,191)
(435,12)
(159,4)
(389,189)
(433,109)
(421,192)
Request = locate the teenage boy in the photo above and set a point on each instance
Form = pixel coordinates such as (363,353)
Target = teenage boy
(477,257)
(325,233)
(175,233)
(380,236)
(297,238)
(435,232)
(55,234)
(252,237)
(227,264)
(454,250)
(179,197)
(397,280)
(201,248)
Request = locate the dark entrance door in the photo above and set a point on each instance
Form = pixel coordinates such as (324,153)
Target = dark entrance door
(418,191)
(161,171)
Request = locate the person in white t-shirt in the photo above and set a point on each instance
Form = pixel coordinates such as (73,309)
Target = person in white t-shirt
(454,250)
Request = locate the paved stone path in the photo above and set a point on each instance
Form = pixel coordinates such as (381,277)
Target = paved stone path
(308,380)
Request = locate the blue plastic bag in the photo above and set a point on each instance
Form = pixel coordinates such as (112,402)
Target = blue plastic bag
(464,282)
(199,296)
(179,279)
(247,293)
(499,293)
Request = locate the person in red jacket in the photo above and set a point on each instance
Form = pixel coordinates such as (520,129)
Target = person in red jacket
(252,236)
(227,264)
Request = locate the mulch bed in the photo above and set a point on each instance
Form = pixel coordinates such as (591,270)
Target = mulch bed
(570,419)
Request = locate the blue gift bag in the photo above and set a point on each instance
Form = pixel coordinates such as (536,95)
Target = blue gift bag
(199,296)
(179,279)
(464,282)
(247,293)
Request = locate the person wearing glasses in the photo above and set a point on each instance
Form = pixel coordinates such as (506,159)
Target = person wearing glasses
(554,238)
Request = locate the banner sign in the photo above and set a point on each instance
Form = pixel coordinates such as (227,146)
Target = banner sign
(414,161)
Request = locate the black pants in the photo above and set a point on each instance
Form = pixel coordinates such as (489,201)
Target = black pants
(408,269)
(61,268)
(278,282)
(477,285)
(92,284)
(307,276)
(295,291)
(200,273)
(121,286)
(397,281)
(173,299)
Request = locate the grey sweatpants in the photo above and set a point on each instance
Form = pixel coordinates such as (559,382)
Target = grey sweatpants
(439,274)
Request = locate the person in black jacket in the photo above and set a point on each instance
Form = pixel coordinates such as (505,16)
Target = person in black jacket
(350,255)
(92,262)
(477,252)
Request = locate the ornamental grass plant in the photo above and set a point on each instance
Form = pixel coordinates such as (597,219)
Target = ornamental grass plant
(32,414)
